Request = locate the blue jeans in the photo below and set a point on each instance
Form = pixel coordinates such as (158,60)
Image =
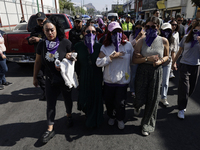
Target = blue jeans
(133,73)
(165,81)
(3,69)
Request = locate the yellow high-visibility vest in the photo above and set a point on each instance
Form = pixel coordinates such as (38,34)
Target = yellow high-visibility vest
(124,26)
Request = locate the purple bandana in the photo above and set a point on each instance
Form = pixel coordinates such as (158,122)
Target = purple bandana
(151,34)
(89,42)
(116,40)
(166,33)
(52,46)
(137,31)
(194,40)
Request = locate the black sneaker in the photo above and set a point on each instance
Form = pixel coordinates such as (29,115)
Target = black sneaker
(47,136)
(70,122)
(1,87)
(43,97)
(6,83)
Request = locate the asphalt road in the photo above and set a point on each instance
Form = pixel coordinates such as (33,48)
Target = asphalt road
(23,120)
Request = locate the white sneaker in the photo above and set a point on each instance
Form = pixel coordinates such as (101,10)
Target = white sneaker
(120,124)
(165,102)
(111,122)
(171,75)
(181,114)
(137,111)
(145,133)
(184,110)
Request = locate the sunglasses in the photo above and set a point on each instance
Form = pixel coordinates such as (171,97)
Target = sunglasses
(148,26)
(137,28)
(174,24)
(180,20)
(195,30)
(115,31)
(90,31)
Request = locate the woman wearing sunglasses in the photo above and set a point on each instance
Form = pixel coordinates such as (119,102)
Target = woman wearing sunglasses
(138,32)
(90,78)
(189,67)
(154,51)
(166,31)
(115,57)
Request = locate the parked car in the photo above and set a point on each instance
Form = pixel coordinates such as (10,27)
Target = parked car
(17,47)
(21,27)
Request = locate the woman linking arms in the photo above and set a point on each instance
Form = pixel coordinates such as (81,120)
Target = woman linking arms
(115,57)
(54,47)
(155,51)
(189,67)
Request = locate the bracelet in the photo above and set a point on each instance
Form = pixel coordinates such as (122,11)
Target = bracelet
(162,60)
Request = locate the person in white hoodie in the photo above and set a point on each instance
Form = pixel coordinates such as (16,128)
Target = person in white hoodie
(115,56)
(3,66)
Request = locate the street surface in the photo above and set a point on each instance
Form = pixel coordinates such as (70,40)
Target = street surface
(23,120)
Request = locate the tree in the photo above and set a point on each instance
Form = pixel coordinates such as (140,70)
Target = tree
(196,2)
(67,4)
(90,11)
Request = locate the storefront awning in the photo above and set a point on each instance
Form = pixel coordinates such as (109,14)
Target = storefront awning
(161,4)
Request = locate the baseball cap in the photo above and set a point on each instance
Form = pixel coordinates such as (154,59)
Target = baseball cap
(166,26)
(40,16)
(128,16)
(113,25)
(78,17)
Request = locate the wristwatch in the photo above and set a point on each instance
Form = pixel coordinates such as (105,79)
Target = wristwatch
(146,59)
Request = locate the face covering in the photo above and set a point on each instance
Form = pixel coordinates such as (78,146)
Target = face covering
(151,34)
(137,31)
(166,33)
(52,46)
(116,40)
(89,42)
(194,40)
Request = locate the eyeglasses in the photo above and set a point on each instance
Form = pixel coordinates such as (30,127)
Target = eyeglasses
(195,30)
(90,31)
(148,26)
(174,24)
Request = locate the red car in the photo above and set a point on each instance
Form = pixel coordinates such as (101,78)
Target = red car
(17,47)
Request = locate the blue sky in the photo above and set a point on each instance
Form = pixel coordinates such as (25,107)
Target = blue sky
(99,4)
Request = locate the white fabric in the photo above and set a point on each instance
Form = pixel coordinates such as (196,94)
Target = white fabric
(118,70)
(67,72)
(2,46)
(176,42)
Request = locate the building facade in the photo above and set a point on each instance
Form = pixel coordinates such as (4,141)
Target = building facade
(11,11)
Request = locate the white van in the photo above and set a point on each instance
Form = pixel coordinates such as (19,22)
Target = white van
(112,15)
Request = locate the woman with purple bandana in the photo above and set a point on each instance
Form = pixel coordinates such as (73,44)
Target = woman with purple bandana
(154,51)
(55,46)
(166,31)
(115,57)
(138,33)
(189,67)
(90,78)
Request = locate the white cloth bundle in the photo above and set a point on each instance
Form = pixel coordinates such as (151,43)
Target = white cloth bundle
(67,71)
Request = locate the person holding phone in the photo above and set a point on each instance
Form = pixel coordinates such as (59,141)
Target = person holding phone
(154,51)
(90,78)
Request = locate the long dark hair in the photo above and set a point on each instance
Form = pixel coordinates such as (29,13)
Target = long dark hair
(154,20)
(177,27)
(190,27)
(59,26)
(189,38)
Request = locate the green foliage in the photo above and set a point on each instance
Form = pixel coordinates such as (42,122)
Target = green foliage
(67,4)
(90,11)
(196,2)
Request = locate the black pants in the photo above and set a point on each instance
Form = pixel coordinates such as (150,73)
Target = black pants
(187,82)
(115,101)
(41,80)
(52,92)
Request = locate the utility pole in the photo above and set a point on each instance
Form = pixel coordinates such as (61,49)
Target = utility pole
(137,10)
(38,6)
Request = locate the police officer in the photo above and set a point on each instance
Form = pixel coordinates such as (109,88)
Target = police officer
(127,26)
(37,35)
(75,34)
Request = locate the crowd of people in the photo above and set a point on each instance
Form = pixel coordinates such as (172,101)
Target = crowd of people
(110,58)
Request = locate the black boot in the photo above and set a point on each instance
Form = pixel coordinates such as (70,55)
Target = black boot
(47,136)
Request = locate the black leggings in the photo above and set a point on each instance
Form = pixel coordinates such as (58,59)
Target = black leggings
(52,92)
